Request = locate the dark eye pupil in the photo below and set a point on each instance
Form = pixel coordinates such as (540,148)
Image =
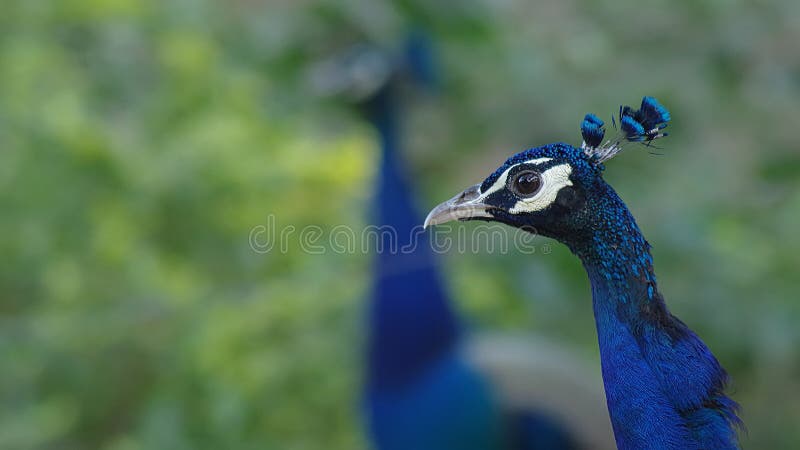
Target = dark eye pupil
(528,183)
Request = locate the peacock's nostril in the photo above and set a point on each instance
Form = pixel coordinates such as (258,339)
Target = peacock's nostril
(468,195)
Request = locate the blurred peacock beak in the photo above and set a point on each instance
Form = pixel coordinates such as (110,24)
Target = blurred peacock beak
(464,206)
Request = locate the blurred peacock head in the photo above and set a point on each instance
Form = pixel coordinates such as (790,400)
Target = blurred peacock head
(361,72)
(555,190)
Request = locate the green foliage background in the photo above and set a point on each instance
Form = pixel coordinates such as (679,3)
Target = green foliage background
(142,141)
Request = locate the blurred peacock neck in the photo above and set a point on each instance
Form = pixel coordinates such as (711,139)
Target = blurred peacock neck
(411,322)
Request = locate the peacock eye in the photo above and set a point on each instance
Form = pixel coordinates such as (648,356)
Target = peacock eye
(527,183)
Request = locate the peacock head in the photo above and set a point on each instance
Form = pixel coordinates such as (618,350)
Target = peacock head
(363,73)
(556,189)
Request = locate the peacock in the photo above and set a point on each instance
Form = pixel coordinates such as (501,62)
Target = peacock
(429,384)
(664,387)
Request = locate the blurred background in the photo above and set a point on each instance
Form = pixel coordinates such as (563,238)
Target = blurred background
(142,141)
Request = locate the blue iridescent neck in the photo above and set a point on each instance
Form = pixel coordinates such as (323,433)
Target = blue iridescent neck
(664,388)
(411,323)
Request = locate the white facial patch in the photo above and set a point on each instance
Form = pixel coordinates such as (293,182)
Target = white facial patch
(553,180)
(500,183)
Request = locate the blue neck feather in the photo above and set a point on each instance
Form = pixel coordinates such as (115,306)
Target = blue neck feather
(411,322)
(653,365)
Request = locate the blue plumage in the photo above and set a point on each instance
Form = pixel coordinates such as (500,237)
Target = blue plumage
(645,123)
(420,59)
(634,131)
(420,394)
(424,389)
(407,283)
(592,130)
(537,431)
(654,114)
(421,391)
(664,387)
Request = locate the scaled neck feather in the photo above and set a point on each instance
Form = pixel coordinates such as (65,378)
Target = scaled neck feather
(664,388)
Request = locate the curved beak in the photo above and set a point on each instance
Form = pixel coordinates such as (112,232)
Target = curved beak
(464,206)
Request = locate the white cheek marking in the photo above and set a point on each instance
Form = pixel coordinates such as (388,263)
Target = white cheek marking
(553,180)
(501,182)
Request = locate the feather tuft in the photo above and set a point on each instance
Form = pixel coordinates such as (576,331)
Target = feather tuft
(634,131)
(592,131)
(641,125)
(654,114)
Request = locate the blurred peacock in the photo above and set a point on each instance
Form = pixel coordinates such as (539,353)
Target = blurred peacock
(429,386)
(664,388)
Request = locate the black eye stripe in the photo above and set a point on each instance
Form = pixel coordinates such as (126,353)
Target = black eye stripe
(541,167)
(506,194)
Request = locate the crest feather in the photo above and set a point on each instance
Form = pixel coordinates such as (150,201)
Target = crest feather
(636,125)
